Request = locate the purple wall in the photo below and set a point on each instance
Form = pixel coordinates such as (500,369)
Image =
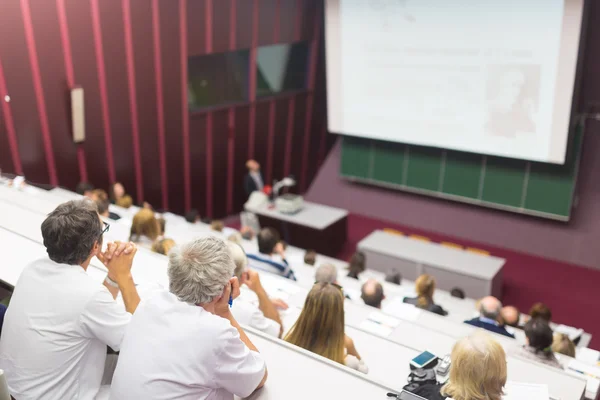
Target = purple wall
(575,242)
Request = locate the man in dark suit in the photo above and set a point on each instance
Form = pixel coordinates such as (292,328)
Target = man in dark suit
(253,180)
(489,310)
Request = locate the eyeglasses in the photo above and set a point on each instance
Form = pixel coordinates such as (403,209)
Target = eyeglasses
(106,228)
(332,284)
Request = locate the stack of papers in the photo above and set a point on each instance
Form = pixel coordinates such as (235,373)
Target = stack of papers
(525,391)
(587,356)
(590,373)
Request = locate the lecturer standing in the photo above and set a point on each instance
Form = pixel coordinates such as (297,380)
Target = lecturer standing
(253,180)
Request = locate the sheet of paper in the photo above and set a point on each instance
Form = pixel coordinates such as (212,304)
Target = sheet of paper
(376,328)
(572,333)
(383,319)
(402,310)
(525,391)
(588,356)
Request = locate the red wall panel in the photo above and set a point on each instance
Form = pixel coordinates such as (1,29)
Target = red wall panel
(130,57)
(79,22)
(17,72)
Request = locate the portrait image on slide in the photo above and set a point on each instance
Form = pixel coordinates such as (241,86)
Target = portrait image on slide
(513,99)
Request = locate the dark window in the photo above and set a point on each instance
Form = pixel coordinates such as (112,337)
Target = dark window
(218,79)
(281,68)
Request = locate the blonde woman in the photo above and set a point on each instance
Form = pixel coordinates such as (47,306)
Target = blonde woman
(320,327)
(145,229)
(425,287)
(563,345)
(163,246)
(477,372)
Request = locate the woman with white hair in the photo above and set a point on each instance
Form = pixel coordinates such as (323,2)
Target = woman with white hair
(477,371)
(185,343)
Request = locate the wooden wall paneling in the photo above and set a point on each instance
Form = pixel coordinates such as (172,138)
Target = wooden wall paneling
(244,24)
(19,84)
(261,135)
(298,138)
(287,21)
(220,162)
(281,116)
(195,27)
(141,15)
(44,18)
(171,78)
(115,63)
(79,23)
(242,119)
(6,160)
(197,151)
(220,25)
(267,21)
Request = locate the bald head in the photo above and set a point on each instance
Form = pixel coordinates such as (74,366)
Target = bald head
(326,273)
(490,307)
(511,316)
(372,293)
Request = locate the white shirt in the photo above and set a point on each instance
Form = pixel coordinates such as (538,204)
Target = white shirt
(55,333)
(246,312)
(174,350)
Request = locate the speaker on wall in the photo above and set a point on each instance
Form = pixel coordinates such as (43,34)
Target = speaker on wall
(77,114)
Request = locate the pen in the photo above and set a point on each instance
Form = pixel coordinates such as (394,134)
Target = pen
(230,301)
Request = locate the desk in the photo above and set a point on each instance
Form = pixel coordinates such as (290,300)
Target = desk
(477,275)
(318,227)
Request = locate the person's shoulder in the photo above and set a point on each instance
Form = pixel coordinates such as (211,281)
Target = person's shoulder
(473,321)
(438,309)
(410,300)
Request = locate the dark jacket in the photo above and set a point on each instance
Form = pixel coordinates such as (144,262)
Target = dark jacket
(489,327)
(432,307)
(250,185)
(430,392)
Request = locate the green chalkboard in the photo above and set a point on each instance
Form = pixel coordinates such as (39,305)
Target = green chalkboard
(527,187)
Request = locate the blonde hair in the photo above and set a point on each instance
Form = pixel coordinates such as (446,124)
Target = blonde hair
(125,201)
(563,345)
(320,327)
(163,246)
(144,224)
(217,225)
(425,286)
(478,370)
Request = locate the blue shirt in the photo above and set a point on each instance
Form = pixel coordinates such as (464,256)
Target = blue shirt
(264,262)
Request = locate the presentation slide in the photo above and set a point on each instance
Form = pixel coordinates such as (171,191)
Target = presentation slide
(482,76)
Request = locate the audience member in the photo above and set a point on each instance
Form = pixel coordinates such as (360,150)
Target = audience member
(253,180)
(263,316)
(357,264)
(268,247)
(145,229)
(60,319)
(162,225)
(489,311)
(247,233)
(163,246)
(185,343)
(125,201)
(539,339)
(478,371)
(510,316)
(326,273)
(458,293)
(320,327)
(563,345)
(425,287)
(394,277)
(540,310)
(100,197)
(84,189)
(192,216)
(236,237)
(116,192)
(217,225)
(372,293)
(310,257)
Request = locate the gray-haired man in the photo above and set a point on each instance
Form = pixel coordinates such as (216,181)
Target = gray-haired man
(184,343)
